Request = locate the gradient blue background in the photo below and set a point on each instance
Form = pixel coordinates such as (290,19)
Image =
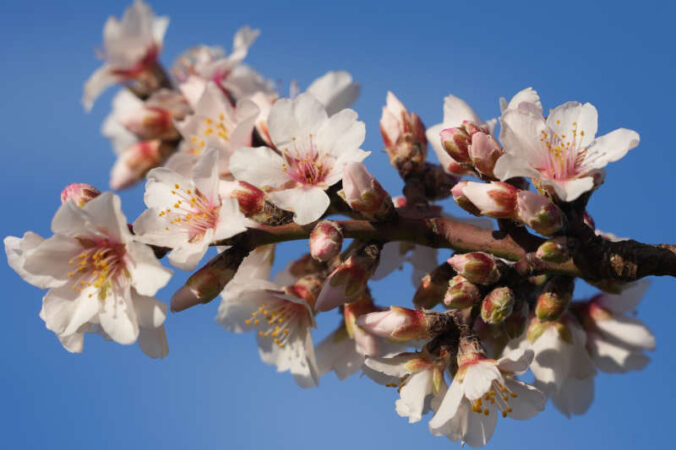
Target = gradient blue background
(213,391)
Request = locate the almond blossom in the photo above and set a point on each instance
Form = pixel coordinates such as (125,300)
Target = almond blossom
(188,214)
(616,342)
(282,316)
(560,151)
(482,389)
(311,151)
(99,278)
(130,47)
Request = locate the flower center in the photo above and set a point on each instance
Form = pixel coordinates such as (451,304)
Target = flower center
(564,155)
(192,212)
(217,127)
(497,398)
(278,320)
(99,265)
(305,164)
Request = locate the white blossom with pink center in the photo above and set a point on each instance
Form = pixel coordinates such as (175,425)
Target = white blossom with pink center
(188,214)
(99,278)
(130,46)
(281,319)
(482,390)
(561,150)
(310,152)
(457,111)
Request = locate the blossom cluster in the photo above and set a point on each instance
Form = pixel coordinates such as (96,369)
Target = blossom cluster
(231,163)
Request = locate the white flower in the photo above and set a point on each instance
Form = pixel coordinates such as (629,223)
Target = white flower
(282,319)
(130,47)
(188,214)
(419,378)
(98,277)
(481,390)
(312,150)
(562,367)
(215,124)
(561,151)
(616,342)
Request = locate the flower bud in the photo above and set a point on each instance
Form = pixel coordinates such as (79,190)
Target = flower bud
(135,161)
(250,199)
(484,152)
(495,199)
(554,250)
(404,137)
(497,305)
(326,240)
(150,123)
(349,279)
(555,298)
(364,194)
(433,287)
(397,324)
(538,212)
(208,282)
(461,293)
(456,143)
(79,193)
(476,267)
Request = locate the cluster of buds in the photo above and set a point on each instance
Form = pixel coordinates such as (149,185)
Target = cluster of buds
(364,193)
(504,201)
(472,147)
(404,137)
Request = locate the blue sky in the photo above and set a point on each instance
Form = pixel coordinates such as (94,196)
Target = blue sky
(213,391)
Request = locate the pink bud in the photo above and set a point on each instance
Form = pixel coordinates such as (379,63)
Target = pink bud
(364,194)
(150,123)
(326,241)
(484,152)
(398,324)
(80,193)
(477,267)
(404,136)
(250,199)
(348,281)
(456,143)
(134,162)
(539,213)
(495,199)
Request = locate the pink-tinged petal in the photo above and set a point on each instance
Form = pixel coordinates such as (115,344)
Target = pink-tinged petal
(610,148)
(528,402)
(626,301)
(260,166)
(65,310)
(247,112)
(307,203)
(511,166)
(118,317)
(99,81)
(575,396)
(148,274)
(528,95)
(17,249)
(295,119)
(341,133)
(153,342)
(121,138)
(574,116)
(335,90)
(205,174)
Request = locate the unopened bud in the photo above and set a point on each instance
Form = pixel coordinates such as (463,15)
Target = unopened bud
(497,305)
(404,136)
(150,123)
(484,152)
(349,279)
(555,298)
(208,282)
(79,193)
(364,194)
(250,199)
(433,287)
(477,267)
(554,250)
(472,128)
(326,240)
(461,293)
(495,199)
(397,324)
(539,213)
(456,142)
(135,161)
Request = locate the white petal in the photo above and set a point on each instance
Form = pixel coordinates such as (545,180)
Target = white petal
(189,254)
(341,133)
(118,318)
(448,408)
(392,367)
(433,137)
(64,310)
(615,358)
(391,258)
(480,428)
(74,343)
(98,82)
(575,396)
(520,136)
(148,274)
(260,166)
(626,301)
(569,190)
(585,118)
(627,330)
(151,313)
(610,148)
(105,214)
(337,352)
(205,174)
(16,250)
(528,402)
(243,39)
(49,260)
(528,95)
(413,396)
(456,111)
(335,90)
(307,203)
(231,221)
(153,342)
(516,361)
(479,378)
(297,118)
